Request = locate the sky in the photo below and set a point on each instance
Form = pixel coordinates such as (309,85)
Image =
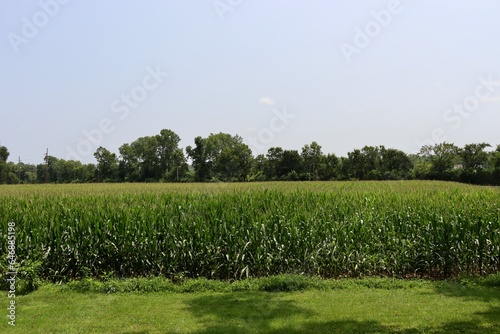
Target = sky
(76,75)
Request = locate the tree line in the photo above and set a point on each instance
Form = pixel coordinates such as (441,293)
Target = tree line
(226,158)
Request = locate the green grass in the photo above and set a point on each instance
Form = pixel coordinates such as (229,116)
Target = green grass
(281,283)
(234,231)
(345,306)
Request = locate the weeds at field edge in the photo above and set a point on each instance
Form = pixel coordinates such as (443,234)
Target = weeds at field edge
(279,283)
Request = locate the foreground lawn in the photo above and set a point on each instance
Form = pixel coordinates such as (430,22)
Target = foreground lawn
(423,307)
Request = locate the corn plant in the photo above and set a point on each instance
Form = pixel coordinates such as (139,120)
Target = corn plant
(332,229)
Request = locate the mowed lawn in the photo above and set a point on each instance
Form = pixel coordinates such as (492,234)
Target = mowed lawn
(427,307)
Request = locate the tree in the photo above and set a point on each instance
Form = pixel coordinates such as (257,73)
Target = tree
(274,158)
(172,162)
(65,171)
(474,156)
(495,166)
(258,170)
(146,151)
(363,164)
(177,169)
(75,171)
(6,169)
(312,158)
(290,165)
(201,164)
(394,164)
(474,162)
(220,157)
(128,164)
(107,165)
(26,173)
(421,167)
(331,170)
(442,158)
(153,158)
(233,163)
(344,169)
(46,172)
(4,155)
(371,162)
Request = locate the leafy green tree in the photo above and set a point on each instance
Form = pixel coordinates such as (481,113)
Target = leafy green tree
(344,169)
(363,164)
(6,168)
(177,170)
(153,158)
(421,167)
(65,171)
(76,172)
(274,158)
(11,176)
(331,170)
(47,172)
(128,164)
(59,170)
(258,170)
(145,149)
(4,155)
(233,163)
(200,160)
(107,165)
(172,165)
(474,160)
(85,173)
(312,156)
(371,163)
(220,157)
(290,167)
(394,164)
(495,166)
(474,156)
(26,172)
(442,158)
(355,164)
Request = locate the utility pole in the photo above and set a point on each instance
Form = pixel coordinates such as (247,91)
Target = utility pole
(19,168)
(47,166)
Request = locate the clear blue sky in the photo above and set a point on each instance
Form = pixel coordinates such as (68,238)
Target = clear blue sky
(234,65)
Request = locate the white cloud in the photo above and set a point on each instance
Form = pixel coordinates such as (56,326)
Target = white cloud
(437,85)
(493,99)
(267,101)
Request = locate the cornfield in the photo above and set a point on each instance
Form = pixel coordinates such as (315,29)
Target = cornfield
(232,231)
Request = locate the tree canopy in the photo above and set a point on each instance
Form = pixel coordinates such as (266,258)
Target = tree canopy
(224,157)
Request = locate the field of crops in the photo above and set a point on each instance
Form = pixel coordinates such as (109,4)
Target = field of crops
(231,231)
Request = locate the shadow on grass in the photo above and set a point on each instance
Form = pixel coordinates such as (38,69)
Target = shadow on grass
(485,293)
(468,291)
(258,312)
(243,312)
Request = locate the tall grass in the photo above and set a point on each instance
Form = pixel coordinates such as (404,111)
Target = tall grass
(337,229)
